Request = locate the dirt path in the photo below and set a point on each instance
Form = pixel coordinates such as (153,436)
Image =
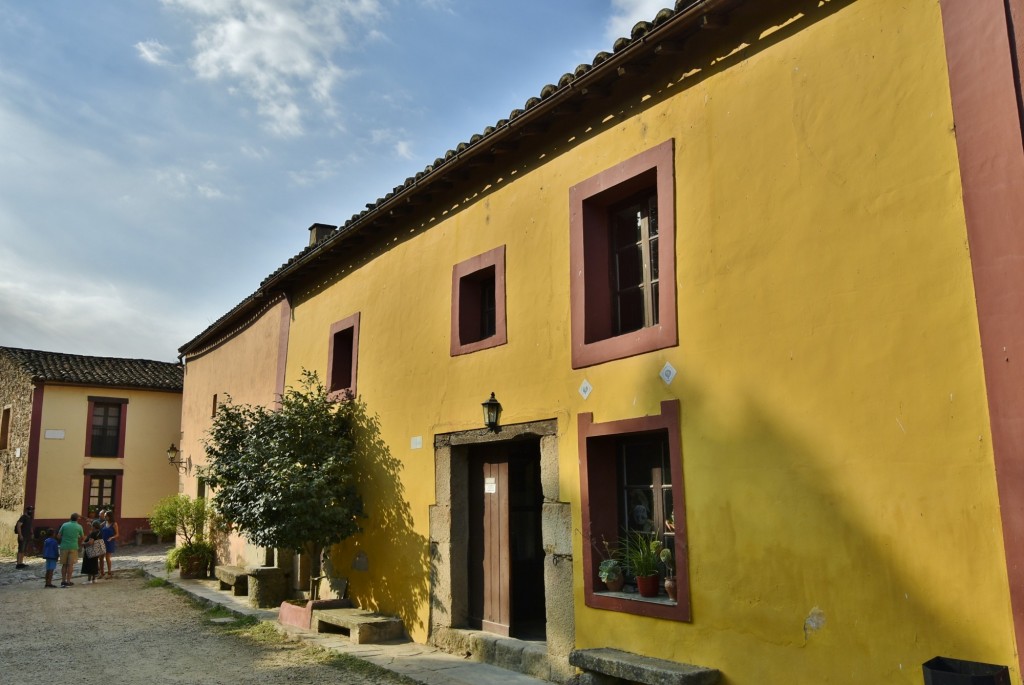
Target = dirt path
(121,631)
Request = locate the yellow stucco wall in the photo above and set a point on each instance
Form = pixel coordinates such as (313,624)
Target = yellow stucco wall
(151,424)
(246,369)
(840,494)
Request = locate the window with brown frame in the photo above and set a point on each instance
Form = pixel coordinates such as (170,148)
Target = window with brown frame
(631,483)
(343,356)
(107,428)
(478,303)
(622,259)
(101,493)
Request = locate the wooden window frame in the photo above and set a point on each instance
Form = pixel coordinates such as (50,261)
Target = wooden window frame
(466,313)
(599,486)
(340,392)
(594,340)
(89,474)
(93,402)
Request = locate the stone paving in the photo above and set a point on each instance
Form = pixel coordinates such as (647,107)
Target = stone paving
(127,558)
(421,663)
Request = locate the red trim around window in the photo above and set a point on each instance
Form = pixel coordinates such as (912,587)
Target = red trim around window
(491,259)
(93,401)
(593,341)
(599,487)
(343,391)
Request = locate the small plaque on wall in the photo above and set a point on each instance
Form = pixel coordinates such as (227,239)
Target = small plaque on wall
(54,434)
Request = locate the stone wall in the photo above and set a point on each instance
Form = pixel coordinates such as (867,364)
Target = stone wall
(16,393)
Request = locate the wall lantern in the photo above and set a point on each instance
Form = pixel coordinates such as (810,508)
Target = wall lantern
(175,460)
(492,412)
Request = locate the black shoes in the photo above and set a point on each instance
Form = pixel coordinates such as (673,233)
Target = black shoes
(21,566)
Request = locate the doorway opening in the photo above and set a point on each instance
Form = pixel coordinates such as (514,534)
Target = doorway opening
(498,502)
(506,552)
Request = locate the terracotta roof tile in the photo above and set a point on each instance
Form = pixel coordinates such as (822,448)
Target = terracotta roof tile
(58,367)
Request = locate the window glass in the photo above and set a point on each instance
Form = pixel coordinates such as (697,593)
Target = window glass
(106,429)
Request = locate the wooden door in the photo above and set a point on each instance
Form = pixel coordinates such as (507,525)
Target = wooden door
(489,557)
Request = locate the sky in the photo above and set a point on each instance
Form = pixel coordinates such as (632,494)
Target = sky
(159,158)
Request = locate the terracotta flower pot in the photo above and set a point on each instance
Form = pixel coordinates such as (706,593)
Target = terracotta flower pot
(647,585)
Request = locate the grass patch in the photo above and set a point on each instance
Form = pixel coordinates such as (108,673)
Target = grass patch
(265,633)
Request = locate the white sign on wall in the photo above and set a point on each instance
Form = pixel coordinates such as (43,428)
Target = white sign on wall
(54,434)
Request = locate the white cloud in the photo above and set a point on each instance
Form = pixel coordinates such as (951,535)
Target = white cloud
(403,149)
(182,184)
(321,170)
(626,13)
(393,138)
(209,192)
(82,316)
(153,51)
(254,152)
(279,53)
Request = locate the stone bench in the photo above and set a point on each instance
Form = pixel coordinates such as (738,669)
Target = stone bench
(361,626)
(233,578)
(612,667)
(144,534)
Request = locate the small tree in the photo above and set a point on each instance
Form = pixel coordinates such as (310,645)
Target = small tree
(192,520)
(286,478)
(183,517)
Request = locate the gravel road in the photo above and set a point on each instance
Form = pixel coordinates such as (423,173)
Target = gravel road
(121,631)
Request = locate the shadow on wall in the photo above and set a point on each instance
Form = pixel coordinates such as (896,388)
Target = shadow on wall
(805,541)
(388,563)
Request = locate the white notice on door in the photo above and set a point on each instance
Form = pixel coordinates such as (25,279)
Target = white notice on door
(490,486)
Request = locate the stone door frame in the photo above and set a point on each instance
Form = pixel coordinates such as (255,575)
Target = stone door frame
(449,544)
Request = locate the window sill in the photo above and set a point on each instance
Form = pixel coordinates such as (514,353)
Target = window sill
(637,597)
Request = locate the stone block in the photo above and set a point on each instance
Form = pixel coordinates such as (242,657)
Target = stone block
(634,668)
(267,587)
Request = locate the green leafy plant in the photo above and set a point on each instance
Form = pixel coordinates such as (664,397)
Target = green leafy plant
(182,517)
(666,558)
(193,557)
(190,521)
(609,570)
(287,478)
(641,553)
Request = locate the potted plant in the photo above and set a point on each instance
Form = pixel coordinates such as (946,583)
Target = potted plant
(670,573)
(193,559)
(188,520)
(610,573)
(641,554)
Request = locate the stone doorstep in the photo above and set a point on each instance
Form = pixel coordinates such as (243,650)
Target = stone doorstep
(233,578)
(631,667)
(363,626)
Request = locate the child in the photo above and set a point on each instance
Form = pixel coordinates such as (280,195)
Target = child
(51,552)
(91,564)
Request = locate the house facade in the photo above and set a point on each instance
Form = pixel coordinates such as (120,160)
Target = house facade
(83,432)
(744,285)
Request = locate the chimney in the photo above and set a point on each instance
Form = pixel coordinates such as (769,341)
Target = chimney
(318,232)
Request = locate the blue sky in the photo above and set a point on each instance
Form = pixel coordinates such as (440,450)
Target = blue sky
(158,158)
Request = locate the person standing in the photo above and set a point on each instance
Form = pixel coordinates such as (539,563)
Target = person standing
(24,530)
(51,552)
(109,533)
(91,563)
(69,536)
